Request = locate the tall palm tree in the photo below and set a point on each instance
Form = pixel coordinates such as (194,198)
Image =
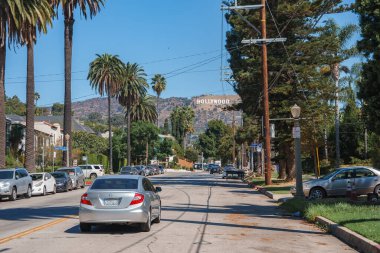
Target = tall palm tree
(133,88)
(158,85)
(68,8)
(105,75)
(37,15)
(144,110)
(10,14)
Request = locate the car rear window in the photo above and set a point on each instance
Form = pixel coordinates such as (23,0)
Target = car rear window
(115,184)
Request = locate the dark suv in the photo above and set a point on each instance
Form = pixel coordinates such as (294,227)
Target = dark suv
(214,168)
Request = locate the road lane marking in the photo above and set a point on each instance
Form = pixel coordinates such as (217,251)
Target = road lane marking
(35,229)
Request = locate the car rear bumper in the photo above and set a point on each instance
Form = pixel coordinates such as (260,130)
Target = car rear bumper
(88,214)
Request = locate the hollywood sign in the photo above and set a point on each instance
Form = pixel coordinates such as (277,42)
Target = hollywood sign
(212,102)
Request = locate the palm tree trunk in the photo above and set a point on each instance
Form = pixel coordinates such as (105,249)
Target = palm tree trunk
(129,134)
(29,142)
(3,122)
(158,97)
(109,131)
(67,107)
(146,153)
(337,126)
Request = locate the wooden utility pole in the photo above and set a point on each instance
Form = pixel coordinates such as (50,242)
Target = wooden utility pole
(234,143)
(268,164)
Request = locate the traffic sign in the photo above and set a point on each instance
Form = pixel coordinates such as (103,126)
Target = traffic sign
(62,148)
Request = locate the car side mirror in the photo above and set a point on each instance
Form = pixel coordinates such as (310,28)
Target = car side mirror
(46,178)
(17,177)
(158,189)
(333,179)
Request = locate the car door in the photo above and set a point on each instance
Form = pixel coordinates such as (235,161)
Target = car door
(156,198)
(80,176)
(339,183)
(365,181)
(49,182)
(149,194)
(20,182)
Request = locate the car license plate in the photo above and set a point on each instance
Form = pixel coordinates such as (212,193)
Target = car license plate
(111,202)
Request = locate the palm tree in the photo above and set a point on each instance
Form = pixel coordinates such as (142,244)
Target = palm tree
(68,7)
(134,87)
(37,14)
(10,13)
(105,75)
(144,110)
(341,51)
(158,85)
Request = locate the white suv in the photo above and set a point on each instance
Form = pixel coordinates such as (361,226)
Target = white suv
(92,170)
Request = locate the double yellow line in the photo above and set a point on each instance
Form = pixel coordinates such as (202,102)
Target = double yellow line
(35,229)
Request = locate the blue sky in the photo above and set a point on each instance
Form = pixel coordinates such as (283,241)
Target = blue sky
(162,36)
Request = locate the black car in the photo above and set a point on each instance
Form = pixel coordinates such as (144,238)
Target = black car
(129,170)
(215,169)
(162,170)
(63,181)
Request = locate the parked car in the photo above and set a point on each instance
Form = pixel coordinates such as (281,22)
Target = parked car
(63,181)
(15,182)
(215,169)
(162,169)
(92,170)
(76,175)
(43,183)
(229,171)
(153,169)
(365,180)
(143,171)
(128,170)
(120,199)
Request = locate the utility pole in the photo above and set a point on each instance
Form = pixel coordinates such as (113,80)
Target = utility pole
(234,143)
(263,42)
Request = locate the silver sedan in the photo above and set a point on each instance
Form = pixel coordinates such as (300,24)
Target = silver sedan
(363,179)
(121,199)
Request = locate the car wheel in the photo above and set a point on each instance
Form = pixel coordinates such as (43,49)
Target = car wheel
(44,191)
(85,227)
(29,192)
(377,190)
(93,176)
(13,196)
(317,193)
(158,219)
(55,189)
(76,185)
(67,188)
(145,227)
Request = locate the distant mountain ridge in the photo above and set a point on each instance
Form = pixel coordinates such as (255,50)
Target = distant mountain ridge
(206,107)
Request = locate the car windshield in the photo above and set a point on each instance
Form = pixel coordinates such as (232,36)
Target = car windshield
(125,169)
(36,177)
(115,184)
(328,175)
(71,172)
(58,175)
(6,174)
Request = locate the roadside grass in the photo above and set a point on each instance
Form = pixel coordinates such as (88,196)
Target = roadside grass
(362,218)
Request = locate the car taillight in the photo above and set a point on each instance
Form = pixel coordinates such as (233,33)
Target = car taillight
(84,200)
(137,199)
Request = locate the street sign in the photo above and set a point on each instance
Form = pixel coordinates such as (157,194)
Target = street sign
(62,148)
(296,132)
(84,158)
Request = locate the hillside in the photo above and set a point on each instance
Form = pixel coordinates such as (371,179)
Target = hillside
(206,108)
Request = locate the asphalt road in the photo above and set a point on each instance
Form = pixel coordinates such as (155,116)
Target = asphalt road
(200,213)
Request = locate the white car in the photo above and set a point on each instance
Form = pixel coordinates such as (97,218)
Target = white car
(92,170)
(43,183)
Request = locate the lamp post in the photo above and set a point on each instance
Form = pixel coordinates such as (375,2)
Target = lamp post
(296,112)
(67,138)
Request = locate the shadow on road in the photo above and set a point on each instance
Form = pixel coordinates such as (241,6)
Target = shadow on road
(37,213)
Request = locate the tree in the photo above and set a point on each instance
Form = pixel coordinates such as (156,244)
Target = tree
(14,105)
(182,121)
(191,154)
(37,15)
(294,69)
(89,143)
(158,85)
(369,85)
(95,117)
(68,7)
(10,24)
(105,75)
(57,109)
(166,129)
(143,135)
(144,110)
(164,149)
(134,86)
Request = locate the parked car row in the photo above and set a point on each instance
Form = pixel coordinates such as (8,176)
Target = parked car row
(17,182)
(142,170)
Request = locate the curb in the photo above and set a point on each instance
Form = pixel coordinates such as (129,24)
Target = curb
(349,237)
(269,194)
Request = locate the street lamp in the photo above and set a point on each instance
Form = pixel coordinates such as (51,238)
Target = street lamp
(67,138)
(296,112)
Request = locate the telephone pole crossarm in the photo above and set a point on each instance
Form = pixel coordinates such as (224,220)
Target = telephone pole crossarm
(245,7)
(262,41)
